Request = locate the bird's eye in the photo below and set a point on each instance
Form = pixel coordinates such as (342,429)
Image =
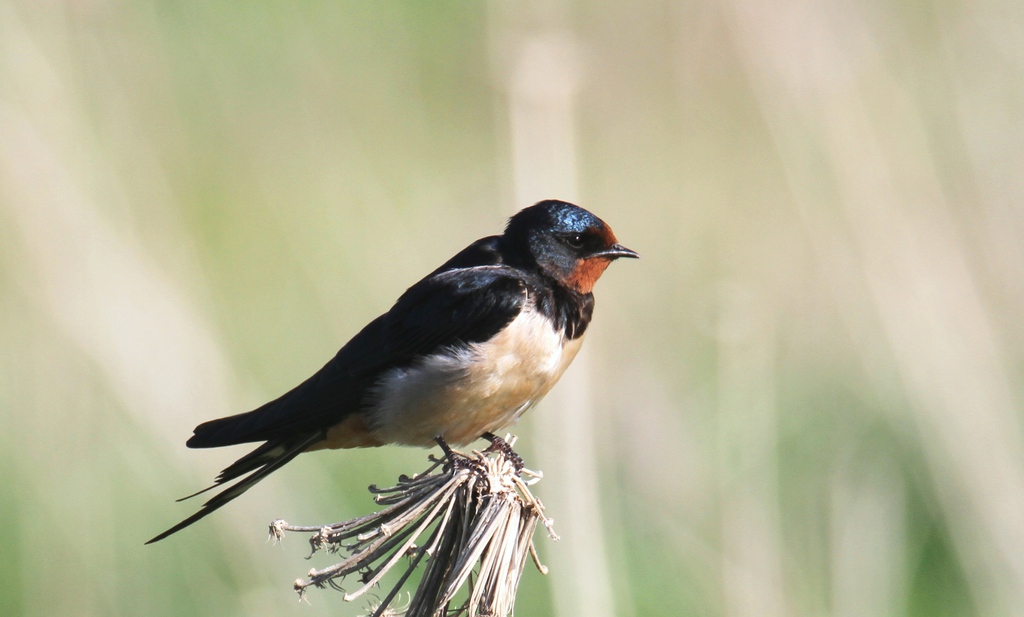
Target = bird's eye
(574,240)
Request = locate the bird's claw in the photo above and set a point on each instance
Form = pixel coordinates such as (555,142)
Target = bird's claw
(500,445)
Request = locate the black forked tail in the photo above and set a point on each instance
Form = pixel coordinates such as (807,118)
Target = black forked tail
(262,461)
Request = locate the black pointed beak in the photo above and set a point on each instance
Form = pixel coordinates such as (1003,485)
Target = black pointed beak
(615,251)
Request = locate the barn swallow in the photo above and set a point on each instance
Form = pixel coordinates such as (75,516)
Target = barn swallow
(462,353)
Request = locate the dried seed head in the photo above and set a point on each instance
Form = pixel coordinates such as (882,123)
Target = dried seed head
(478,516)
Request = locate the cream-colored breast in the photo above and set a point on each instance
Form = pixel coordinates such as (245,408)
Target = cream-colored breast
(463,393)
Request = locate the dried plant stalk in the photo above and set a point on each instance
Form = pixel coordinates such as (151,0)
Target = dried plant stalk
(482,516)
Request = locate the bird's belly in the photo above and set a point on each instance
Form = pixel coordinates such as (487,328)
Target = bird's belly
(465,392)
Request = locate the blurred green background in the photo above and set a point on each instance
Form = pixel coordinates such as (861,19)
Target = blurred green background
(805,399)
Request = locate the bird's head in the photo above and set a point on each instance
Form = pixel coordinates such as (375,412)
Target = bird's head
(563,242)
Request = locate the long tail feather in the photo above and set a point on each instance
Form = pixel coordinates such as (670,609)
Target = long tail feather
(262,462)
(259,457)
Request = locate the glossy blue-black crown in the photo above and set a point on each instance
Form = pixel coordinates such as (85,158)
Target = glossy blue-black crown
(551,216)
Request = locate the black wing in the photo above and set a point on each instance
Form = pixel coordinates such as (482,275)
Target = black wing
(452,306)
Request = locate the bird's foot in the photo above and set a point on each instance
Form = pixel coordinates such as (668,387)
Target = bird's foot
(448,452)
(500,445)
(456,459)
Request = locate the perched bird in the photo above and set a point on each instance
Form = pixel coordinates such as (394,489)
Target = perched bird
(462,353)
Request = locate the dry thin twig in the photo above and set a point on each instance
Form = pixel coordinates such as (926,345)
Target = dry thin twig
(482,516)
